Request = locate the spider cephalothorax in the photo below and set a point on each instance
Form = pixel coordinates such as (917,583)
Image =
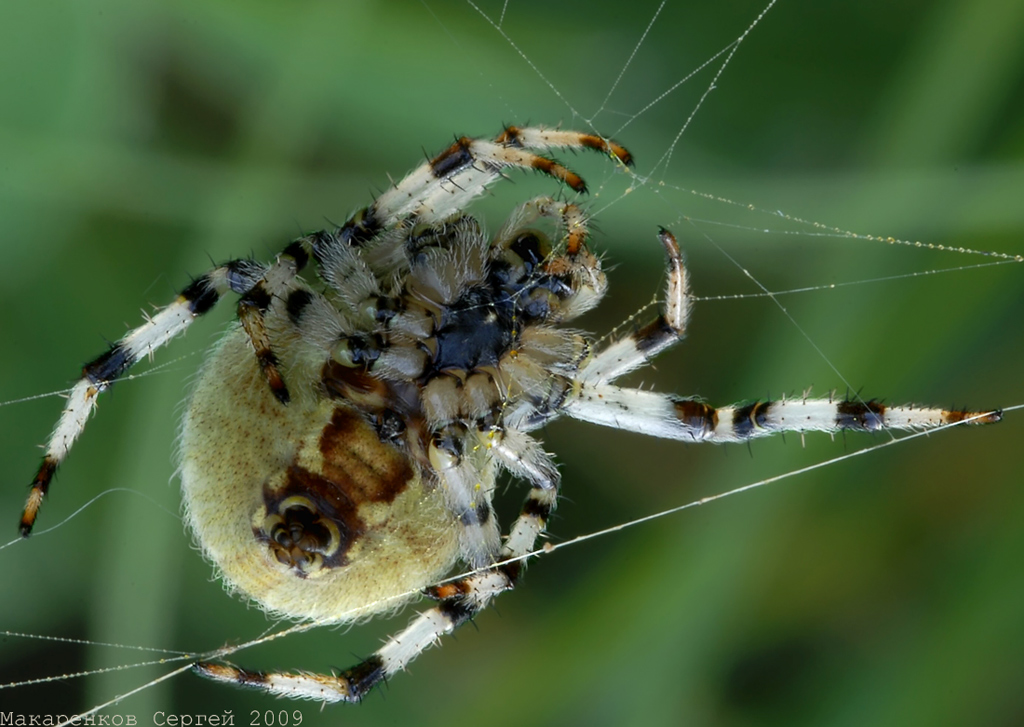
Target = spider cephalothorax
(340,449)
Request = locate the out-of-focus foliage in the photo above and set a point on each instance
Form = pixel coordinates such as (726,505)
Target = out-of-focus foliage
(141,139)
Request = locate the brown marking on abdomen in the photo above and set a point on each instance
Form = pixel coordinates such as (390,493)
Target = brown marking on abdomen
(311,522)
(359,463)
(315,516)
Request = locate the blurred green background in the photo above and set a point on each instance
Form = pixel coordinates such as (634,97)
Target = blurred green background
(140,140)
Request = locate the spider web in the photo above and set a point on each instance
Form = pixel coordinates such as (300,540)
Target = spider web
(887,588)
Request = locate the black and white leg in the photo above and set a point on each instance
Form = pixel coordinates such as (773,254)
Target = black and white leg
(458,602)
(238,276)
(278,281)
(446,183)
(668,417)
(468,486)
(522,455)
(466,168)
(627,354)
(537,137)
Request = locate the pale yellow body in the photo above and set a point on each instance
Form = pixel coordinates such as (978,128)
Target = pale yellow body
(239,445)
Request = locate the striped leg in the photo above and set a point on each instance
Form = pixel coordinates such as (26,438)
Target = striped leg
(277,282)
(468,487)
(238,276)
(661,415)
(540,138)
(622,356)
(458,602)
(522,455)
(446,183)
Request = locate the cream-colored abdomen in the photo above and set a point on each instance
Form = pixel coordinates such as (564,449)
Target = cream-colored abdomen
(301,507)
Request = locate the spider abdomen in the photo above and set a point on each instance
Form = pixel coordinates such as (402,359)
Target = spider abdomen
(303,508)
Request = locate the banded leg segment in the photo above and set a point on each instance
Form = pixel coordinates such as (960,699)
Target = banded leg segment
(277,282)
(668,417)
(468,487)
(238,276)
(568,216)
(462,600)
(446,183)
(627,354)
(541,138)
(458,602)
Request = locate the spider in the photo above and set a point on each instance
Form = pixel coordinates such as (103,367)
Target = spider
(342,442)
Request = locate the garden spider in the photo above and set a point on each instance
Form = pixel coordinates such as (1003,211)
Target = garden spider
(342,443)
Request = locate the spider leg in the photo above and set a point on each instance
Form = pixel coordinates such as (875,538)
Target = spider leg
(569,215)
(278,280)
(669,417)
(468,484)
(573,263)
(464,170)
(445,184)
(238,276)
(459,601)
(522,455)
(536,137)
(627,354)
